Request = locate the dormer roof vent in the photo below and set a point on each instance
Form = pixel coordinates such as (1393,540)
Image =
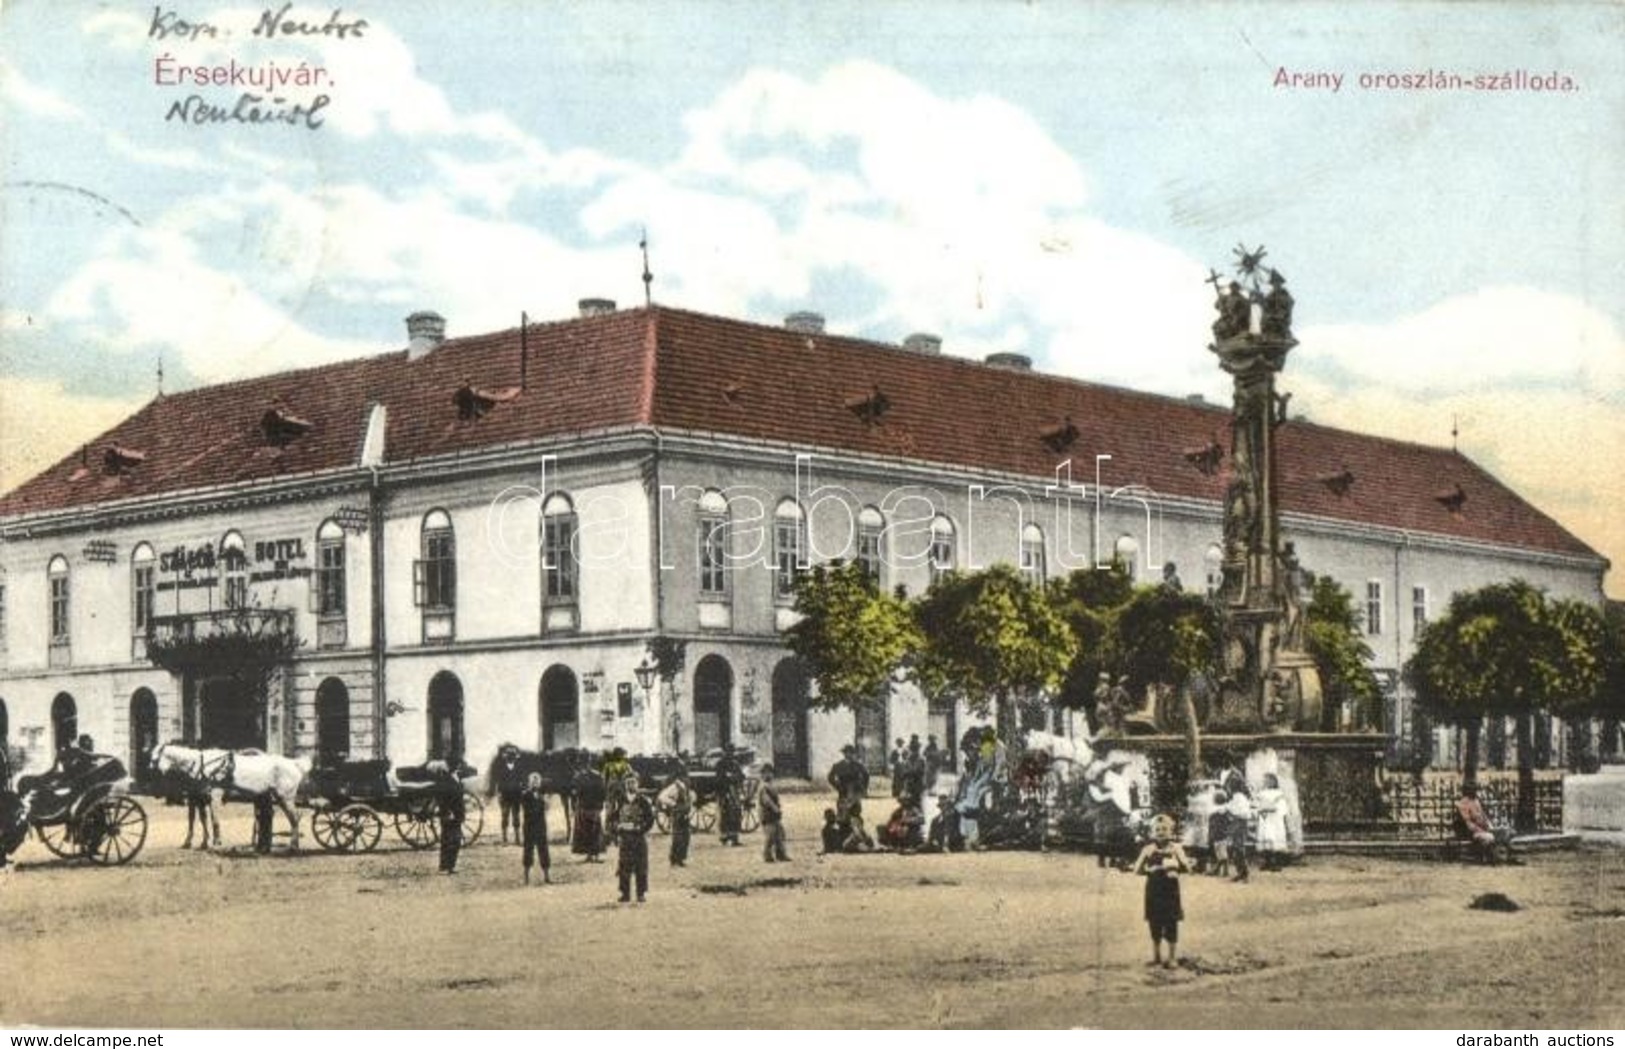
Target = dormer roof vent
(923,342)
(596,307)
(474,403)
(118,459)
(1019,362)
(281,426)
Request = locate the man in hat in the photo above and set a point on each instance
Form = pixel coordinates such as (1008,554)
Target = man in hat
(452,811)
(632,862)
(587,786)
(508,785)
(730,780)
(533,826)
(851,782)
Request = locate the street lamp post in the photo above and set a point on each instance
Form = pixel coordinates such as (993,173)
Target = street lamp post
(645,673)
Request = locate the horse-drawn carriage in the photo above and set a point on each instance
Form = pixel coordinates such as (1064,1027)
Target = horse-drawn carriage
(82,809)
(350,801)
(708,786)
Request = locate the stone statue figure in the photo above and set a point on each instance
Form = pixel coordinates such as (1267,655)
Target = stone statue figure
(1293,580)
(1275,318)
(1235,313)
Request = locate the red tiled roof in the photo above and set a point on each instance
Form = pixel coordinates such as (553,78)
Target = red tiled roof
(678,370)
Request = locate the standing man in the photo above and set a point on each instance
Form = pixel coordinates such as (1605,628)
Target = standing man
(637,816)
(504,781)
(730,778)
(533,826)
(452,811)
(851,782)
(677,799)
(773,850)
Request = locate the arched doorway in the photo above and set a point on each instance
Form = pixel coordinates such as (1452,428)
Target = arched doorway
(791,690)
(445,716)
(332,723)
(64,722)
(713,704)
(143,733)
(559,707)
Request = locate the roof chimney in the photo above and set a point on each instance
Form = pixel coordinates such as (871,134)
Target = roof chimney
(808,322)
(1018,362)
(923,342)
(425,330)
(596,307)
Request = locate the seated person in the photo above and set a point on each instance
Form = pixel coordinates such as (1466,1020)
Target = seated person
(1492,843)
(944,834)
(903,831)
(857,839)
(834,835)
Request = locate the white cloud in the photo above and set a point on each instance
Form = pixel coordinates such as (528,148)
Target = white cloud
(32,98)
(151,289)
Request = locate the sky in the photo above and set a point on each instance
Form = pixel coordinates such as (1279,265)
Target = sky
(1051,178)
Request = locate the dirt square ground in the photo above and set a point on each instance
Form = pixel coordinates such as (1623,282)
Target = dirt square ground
(190,939)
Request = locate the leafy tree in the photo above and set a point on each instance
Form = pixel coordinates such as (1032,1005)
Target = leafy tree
(1504,650)
(990,637)
(1167,639)
(1089,599)
(852,637)
(1333,636)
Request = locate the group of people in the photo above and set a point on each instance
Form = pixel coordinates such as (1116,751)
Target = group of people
(1234,821)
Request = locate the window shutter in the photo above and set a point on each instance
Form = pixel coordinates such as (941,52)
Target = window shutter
(420,583)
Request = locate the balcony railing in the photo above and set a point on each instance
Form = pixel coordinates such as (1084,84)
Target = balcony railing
(222,623)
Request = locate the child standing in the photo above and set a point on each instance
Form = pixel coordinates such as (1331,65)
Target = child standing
(1162,861)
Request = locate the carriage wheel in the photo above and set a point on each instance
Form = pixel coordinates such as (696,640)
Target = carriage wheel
(113,831)
(473,818)
(58,837)
(751,820)
(662,819)
(705,816)
(418,824)
(325,828)
(363,826)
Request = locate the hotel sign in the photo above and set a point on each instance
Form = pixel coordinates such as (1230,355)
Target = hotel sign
(200,565)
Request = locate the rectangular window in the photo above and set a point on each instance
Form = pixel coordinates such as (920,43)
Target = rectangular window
(236,591)
(1032,561)
(2,615)
(145,592)
(1373,606)
(435,584)
(713,556)
(559,565)
(330,578)
(786,557)
(1419,608)
(59,610)
(869,555)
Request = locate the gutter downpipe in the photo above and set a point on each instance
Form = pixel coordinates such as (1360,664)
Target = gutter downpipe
(380,699)
(1404,541)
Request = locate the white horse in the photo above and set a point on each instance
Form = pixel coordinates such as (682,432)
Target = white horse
(245,771)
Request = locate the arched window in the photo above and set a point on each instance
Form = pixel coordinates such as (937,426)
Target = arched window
(942,557)
(445,716)
(434,577)
(561,576)
(332,722)
(331,579)
(1127,554)
(234,570)
(559,704)
(789,548)
(61,611)
(1213,564)
(713,545)
(1033,564)
(64,722)
(143,732)
(143,595)
(871,542)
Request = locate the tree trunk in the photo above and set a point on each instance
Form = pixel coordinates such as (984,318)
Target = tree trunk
(1525,819)
(1469,761)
